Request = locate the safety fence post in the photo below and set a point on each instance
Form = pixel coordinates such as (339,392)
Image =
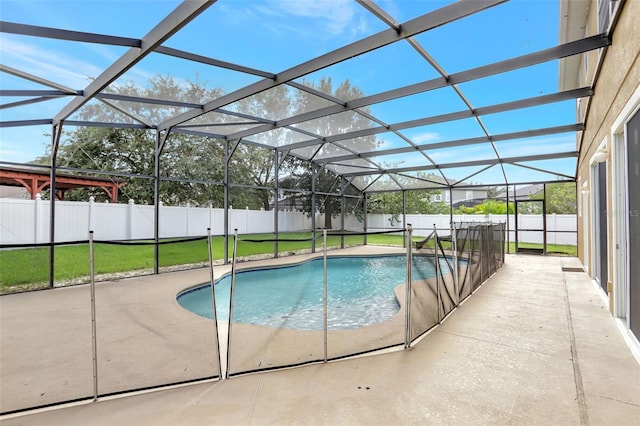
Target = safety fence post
(213,300)
(233,285)
(94,338)
(407,300)
(324,291)
(456,278)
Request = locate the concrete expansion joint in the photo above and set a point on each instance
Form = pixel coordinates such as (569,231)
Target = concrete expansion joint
(622,401)
(577,375)
(255,398)
(493,342)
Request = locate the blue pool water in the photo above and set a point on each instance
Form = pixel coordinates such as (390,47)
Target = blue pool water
(360,292)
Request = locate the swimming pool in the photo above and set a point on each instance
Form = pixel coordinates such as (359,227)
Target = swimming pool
(360,292)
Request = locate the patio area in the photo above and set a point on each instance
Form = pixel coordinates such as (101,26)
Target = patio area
(534,345)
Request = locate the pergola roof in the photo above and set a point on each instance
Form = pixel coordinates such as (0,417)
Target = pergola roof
(490,114)
(37,180)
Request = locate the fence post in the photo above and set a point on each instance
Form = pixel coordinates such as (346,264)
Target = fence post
(36,217)
(90,214)
(187,208)
(129,230)
(210,214)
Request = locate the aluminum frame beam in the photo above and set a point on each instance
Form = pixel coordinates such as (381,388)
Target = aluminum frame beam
(58,34)
(458,115)
(171,24)
(57,93)
(415,26)
(556,52)
(509,160)
(35,79)
(460,142)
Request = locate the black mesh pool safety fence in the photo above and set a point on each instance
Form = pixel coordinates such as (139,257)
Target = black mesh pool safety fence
(81,342)
(88,341)
(480,253)
(320,310)
(143,343)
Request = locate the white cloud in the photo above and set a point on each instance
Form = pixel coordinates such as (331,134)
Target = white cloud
(54,66)
(421,138)
(337,17)
(536,146)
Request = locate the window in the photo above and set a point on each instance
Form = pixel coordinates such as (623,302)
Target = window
(469,195)
(437,197)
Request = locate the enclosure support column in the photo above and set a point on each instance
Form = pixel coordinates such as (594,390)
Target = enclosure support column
(364,209)
(501,245)
(480,254)
(404,217)
(508,248)
(156,202)
(160,141)
(451,207)
(55,143)
(313,208)
(470,244)
(342,207)
(276,204)
(489,242)
(437,267)
(544,219)
(456,269)
(226,201)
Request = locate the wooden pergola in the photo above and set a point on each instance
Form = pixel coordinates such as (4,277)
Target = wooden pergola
(35,181)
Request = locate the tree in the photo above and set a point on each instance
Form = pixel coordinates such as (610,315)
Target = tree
(132,151)
(417,201)
(560,198)
(192,166)
(328,182)
(488,207)
(257,165)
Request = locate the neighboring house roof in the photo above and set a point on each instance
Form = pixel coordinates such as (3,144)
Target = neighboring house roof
(14,192)
(522,192)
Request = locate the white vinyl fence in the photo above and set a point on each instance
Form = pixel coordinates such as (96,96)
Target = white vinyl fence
(561,228)
(27,222)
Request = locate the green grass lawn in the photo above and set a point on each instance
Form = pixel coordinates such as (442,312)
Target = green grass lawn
(24,269)
(552,249)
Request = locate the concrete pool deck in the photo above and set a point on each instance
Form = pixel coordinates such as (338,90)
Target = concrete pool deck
(534,345)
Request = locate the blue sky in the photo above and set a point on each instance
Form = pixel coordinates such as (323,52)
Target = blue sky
(275,35)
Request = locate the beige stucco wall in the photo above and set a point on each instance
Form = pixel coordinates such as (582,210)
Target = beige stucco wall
(619,78)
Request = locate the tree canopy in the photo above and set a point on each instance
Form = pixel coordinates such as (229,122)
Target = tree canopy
(299,173)
(560,198)
(191,165)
